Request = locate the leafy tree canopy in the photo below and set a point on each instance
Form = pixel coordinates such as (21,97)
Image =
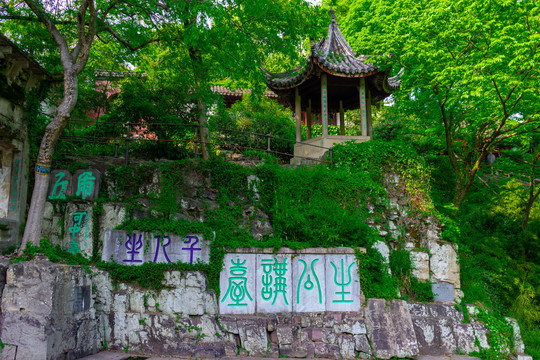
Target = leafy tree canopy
(216,38)
(470,69)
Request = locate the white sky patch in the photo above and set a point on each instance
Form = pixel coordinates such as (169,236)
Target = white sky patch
(389,100)
(205,20)
(517,117)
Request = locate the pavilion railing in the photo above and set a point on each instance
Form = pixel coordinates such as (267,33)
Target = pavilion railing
(124,143)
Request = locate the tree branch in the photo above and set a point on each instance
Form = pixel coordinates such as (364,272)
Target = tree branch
(123,41)
(503,102)
(34,19)
(65,55)
(85,41)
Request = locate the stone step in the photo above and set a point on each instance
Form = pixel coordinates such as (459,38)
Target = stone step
(445,357)
(116,355)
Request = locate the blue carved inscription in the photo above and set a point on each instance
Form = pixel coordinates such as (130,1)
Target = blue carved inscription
(142,247)
(193,240)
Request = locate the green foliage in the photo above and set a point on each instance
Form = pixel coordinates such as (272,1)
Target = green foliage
(148,275)
(375,280)
(469,75)
(498,260)
(499,339)
(53,252)
(375,159)
(410,287)
(259,115)
(315,205)
(146,106)
(226,48)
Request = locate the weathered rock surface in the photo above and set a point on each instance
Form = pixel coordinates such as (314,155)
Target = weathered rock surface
(519,346)
(440,330)
(444,266)
(420,262)
(390,329)
(47,312)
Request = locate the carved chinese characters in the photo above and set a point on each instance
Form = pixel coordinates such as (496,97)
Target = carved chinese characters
(80,223)
(84,184)
(274,283)
(309,275)
(58,187)
(288,282)
(237,282)
(136,248)
(342,283)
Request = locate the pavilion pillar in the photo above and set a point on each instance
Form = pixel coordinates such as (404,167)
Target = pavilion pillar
(368,111)
(341,118)
(298,114)
(363,110)
(324,104)
(309,119)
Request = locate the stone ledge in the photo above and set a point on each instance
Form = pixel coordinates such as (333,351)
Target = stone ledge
(285,250)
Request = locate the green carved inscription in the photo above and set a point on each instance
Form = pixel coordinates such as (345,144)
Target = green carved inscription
(308,284)
(237,289)
(343,284)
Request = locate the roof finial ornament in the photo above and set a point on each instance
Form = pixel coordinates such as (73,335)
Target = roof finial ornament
(333,13)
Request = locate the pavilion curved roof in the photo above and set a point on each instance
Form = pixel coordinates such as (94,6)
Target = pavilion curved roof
(334,56)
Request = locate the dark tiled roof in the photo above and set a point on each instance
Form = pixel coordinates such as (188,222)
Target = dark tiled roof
(394,81)
(20,55)
(333,55)
(225,91)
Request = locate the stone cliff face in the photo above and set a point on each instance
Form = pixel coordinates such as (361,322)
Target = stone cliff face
(53,311)
(398,225)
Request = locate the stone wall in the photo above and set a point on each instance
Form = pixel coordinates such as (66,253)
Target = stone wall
(18,74)
(402,226)
(55,311)
(184,320)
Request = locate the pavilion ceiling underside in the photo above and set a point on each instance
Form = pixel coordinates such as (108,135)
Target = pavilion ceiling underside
(344,89)
(301,74)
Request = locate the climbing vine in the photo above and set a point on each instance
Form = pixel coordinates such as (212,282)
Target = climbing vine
(307,207)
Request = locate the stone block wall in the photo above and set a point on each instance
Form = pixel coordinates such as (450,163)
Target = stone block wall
(55,311)
(183,320)
(171,321)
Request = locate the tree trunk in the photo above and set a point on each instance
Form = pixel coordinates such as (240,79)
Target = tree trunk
(203,131)
(460,191)
(464,182)
(528,207)
(32,231)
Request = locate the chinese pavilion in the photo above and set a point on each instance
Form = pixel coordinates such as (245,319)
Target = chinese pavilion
(332,80)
